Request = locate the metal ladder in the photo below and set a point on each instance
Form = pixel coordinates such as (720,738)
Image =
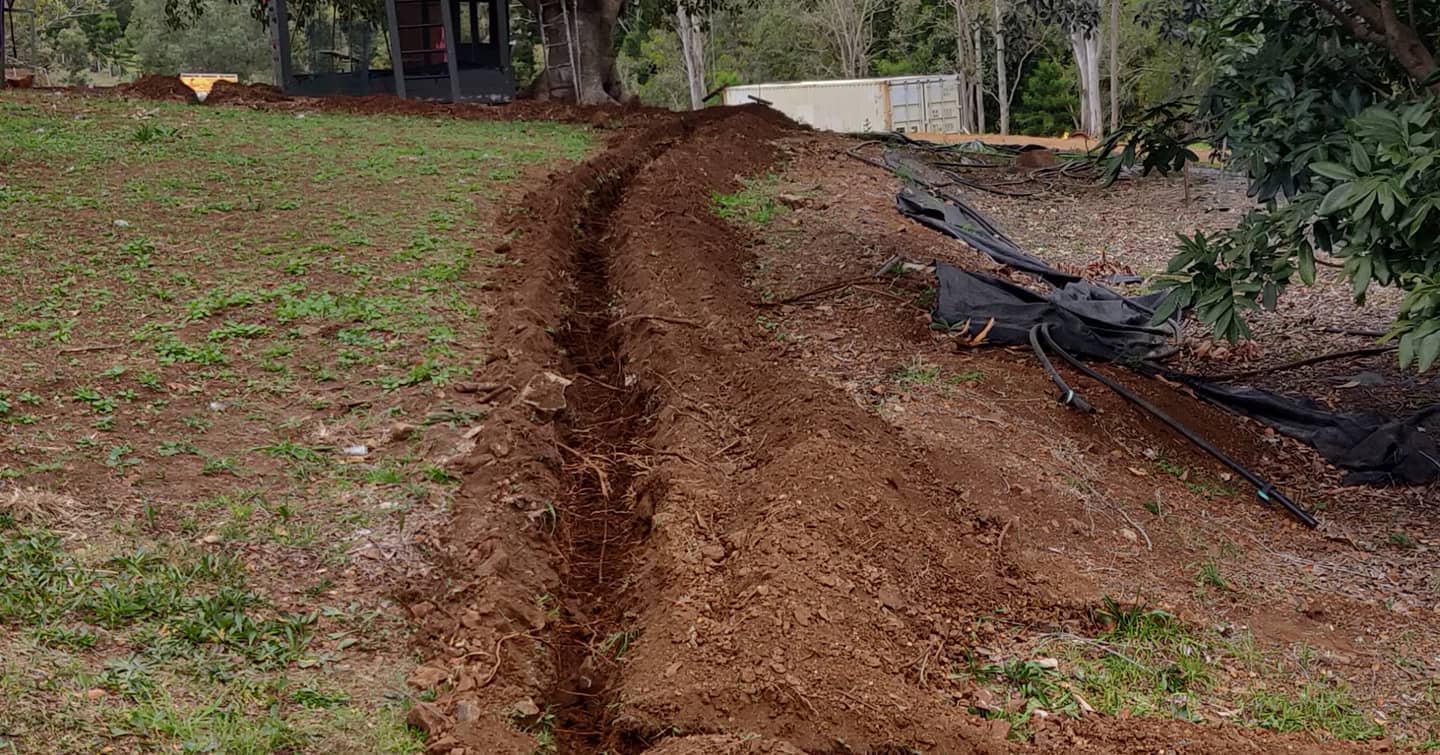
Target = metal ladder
(560,75)
(427,54)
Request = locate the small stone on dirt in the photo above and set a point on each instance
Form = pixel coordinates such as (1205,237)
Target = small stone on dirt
(426,677)
(466,711)
(545,392)
(526,708)
(890,598)
(427,718)
(401,431)
(714,552)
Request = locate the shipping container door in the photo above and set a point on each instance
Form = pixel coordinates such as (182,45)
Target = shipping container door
(942,106)
(907,106)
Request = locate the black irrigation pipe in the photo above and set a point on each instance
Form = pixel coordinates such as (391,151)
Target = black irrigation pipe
(1266,491)
(1067,396)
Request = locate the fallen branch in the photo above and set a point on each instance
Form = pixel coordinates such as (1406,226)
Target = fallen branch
(1306,362)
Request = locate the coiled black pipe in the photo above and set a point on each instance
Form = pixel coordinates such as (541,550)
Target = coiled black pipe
(1266,491)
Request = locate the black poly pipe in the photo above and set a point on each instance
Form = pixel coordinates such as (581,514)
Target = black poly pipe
(1266,491)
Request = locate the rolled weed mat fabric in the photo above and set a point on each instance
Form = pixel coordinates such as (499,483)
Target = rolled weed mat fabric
(1372,448)
(1084,318)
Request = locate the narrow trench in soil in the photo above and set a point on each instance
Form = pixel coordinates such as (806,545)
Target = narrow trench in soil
(603,431)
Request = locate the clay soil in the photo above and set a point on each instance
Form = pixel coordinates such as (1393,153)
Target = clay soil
(697,521)
(705,524)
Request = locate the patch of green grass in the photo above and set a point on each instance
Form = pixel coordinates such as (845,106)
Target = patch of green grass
(1401,539)
(1208,575)
(1315,707)
(236,330)
(917,372)
(754,204)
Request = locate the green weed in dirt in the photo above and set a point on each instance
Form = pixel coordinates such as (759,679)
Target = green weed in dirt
(755,204)
(1147,662)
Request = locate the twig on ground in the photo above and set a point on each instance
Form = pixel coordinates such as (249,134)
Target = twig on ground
(1000,543)
(657,318)
(1306,362)
(495,669)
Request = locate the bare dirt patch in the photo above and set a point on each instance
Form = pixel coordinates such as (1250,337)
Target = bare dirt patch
(695,520)
(694,514)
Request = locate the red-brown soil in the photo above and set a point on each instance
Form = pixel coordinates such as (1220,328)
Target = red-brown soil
(158,87)
(701,533)
(231,92)
(681,532)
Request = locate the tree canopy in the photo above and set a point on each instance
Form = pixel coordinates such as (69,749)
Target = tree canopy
(1330,109)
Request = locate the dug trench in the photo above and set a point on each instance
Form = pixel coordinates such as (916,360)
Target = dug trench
(672,539)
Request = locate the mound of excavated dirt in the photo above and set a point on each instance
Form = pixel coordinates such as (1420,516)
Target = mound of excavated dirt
(156,87)
(231,92)
(669,526)
(262,95)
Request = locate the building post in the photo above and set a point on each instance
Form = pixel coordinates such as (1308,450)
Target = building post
(4,11)
(280,43)
(397,58)
(500,31)
(446,7)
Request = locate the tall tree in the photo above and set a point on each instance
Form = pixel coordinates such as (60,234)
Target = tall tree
(1002,86)
(1080,20)
(1334,117)
(692,48)
(1114,65)
(849,26)
(967,70)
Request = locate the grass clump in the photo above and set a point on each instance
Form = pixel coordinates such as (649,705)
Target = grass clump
(754,204)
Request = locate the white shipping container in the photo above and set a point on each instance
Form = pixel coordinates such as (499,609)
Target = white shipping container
(912,104)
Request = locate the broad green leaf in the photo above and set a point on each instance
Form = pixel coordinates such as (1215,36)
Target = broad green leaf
(1337,199)
(1359,158)
(1333,170)
(1363,270)
(1407,349)
(1307,265)
(1387,201)
(1429,351)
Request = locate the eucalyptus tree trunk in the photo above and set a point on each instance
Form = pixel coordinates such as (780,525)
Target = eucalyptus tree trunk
(979,83)
(964,68)
(1114,65)
(1002,85)
(1086,46)
(692,49)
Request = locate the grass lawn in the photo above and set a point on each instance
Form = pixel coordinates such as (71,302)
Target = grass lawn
(230,343)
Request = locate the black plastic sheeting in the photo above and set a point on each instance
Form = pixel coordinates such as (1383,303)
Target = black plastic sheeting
(1095,322)
(1375,449)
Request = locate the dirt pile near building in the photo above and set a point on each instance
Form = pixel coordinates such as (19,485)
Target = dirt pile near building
(156,87)
(231,92)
